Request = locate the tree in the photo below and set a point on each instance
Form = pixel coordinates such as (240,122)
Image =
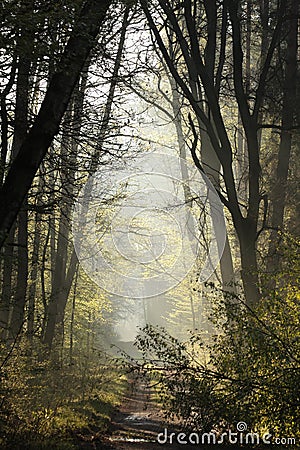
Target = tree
(209,70)
(46,125)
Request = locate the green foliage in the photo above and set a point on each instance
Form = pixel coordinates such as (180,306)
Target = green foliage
(44,405)
(249,371)
(180,372)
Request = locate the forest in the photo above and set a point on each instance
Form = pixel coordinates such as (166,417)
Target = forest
(149,224)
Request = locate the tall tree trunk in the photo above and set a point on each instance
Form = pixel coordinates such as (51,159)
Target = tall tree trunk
(73,319)
(246,232)
(212,167)
(33,279)
(7,288)
(17,316)
(209,159)
(42,274)
(37,231)
(59,296)
(185,178)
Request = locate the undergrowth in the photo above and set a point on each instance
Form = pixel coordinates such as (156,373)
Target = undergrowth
(45,404)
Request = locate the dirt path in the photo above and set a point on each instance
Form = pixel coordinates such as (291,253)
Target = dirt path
(137,425)
(138,422)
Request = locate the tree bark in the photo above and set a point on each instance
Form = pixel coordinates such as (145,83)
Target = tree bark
(247,233)
(33,279)
(6,294)
(17,316)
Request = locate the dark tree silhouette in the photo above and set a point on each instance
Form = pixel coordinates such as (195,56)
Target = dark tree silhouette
(46,125)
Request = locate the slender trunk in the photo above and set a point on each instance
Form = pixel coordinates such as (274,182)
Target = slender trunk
(60,264)
(64,294)
(185,177)
(33,279)
(17,317)
(241,163)
(73,319)
(248,48)
(6,294)
(61,281)
(212,167)
(246,231)
(37,229)
(42,274)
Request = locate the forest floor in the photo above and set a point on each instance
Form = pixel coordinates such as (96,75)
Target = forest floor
(136,425)
(138,422)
